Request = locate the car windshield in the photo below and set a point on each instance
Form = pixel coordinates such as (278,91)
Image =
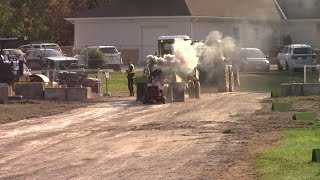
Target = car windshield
(109,50)
(254,54)
(301,51)
(51,53)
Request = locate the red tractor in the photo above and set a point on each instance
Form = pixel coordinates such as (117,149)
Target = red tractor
(155,90)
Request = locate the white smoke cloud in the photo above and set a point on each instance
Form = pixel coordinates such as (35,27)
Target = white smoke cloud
(186,55)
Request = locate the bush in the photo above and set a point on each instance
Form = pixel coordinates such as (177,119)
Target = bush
(95,59)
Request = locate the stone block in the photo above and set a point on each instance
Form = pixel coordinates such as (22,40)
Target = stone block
(292,89)
(68,94)
(311,89)
(30,91)
(55,94)
(78,93)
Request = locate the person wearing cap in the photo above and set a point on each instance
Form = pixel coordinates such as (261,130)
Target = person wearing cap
(130,76)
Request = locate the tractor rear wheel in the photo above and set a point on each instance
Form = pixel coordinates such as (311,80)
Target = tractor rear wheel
(169,94)
(231,81)
(236,74)
(164,100)
(197,90)
(223,77)
(144,100)
(191,90)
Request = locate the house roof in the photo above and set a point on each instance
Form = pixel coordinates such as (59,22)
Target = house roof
(300,9)
(253,9)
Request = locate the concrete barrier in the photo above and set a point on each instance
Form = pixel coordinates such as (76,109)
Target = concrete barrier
(30,91)
(78,93)
(311,89)
(68,94)
(292,89)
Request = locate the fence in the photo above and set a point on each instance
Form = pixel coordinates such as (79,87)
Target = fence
(138,53)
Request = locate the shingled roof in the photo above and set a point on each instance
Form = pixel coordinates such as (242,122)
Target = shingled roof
(300,9)
(253,9)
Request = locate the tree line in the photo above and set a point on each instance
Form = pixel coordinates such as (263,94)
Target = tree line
(41,20)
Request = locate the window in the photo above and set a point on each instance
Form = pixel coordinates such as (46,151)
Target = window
(301,51)
(109,50)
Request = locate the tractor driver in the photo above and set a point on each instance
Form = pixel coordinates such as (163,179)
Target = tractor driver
(130,76)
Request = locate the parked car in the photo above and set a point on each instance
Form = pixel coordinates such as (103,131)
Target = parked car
(12,54)
(296,56)
(251,59)
(112,58)
(36,58)
(25,48)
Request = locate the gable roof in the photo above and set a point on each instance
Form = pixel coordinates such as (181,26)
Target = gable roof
(300,9)
(252,9)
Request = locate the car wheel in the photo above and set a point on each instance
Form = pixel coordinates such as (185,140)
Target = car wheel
(287,66)
(280,68)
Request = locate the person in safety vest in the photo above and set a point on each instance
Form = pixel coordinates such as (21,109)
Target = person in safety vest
(130,77)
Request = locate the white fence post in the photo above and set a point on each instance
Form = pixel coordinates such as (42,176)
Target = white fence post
(305,74)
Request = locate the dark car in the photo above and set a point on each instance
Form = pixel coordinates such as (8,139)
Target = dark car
(36,58)
(253,59)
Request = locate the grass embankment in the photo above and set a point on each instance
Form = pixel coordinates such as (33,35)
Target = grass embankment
(272,80)
(292,158)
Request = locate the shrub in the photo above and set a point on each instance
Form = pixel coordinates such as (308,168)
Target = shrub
(95,59)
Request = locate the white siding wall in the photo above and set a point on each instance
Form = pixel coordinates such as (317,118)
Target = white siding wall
(128,34)
(302,32)
(123,32)
(246,34)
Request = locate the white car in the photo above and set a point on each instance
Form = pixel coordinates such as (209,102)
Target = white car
(12,54)
(25,48)
(112,59)
(296,56)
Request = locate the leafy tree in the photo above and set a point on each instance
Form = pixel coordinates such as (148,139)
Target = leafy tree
(42,20)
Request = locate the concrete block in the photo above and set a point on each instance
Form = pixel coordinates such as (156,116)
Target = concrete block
(55,94)
(311,89)
(316,155)
(30,91)
(68,94)
(78,93)
(292,89)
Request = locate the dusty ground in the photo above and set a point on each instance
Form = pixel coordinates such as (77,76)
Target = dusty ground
(216,137)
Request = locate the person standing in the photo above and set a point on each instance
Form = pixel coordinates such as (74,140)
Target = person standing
(130,76)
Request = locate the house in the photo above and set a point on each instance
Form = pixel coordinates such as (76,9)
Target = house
(134,25)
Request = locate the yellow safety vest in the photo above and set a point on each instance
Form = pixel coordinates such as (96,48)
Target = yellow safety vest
(131,69)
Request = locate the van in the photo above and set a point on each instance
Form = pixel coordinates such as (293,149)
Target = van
(295,56)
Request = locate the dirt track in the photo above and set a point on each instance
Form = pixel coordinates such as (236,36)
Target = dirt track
(123,139)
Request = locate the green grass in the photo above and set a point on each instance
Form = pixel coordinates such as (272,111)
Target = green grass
(118,81)
(292,158)
(270,81)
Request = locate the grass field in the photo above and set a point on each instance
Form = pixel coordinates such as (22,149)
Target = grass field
(249,81)
(292,158)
